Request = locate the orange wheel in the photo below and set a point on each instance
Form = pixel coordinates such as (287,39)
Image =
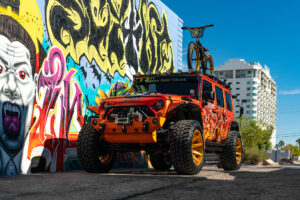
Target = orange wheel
(238,151)
(197,147)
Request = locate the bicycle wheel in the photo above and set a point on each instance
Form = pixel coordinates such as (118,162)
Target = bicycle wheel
(209,63)
(193,57)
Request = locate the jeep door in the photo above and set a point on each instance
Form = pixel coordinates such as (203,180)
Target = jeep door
(209,116)
(221,113)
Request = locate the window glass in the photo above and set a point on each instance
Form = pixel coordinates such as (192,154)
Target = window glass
(237,88)
(249,82)
(207,86)
(228,101)
(237,82)
(220,98)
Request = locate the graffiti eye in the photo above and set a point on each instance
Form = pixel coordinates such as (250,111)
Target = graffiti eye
(22,74)
(1,69)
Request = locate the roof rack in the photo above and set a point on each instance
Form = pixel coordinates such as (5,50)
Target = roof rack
(223,83)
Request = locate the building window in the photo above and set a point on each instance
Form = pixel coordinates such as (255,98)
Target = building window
(253,117)
(253,112)
(254,106)
(254,100)
(228,74)
(248,100)
(240,74)
(248,106)
(249,82)
(249,72)
(253,73)
(254,88)
(237,94)
(248,94)
(237,82)
(221,73)
(254,94)
(254,82)
(248,88)
(237,88)
(248,112)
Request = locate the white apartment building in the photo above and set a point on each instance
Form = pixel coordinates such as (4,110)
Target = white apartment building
(254,88)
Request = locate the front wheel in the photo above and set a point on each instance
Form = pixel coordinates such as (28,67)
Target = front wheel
(187,147)
(193,57)
(231,157)
(89,152)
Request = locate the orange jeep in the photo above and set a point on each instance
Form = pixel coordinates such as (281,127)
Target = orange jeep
(180,119)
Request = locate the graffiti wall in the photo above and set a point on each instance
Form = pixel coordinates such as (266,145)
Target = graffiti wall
(59,56)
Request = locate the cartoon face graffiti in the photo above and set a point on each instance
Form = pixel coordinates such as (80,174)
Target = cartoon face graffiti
(17,92)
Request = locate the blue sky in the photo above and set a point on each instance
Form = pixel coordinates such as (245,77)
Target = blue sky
(264,31)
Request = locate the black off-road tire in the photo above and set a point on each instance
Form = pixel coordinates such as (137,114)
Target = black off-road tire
(181,136)
(89,150)
(228,156)
(160,161)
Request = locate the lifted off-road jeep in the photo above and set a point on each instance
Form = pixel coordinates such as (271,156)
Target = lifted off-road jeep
(180,119)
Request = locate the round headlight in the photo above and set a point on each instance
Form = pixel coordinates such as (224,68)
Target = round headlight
(159,105)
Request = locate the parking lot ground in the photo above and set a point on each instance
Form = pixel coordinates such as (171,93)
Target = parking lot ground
(250,182)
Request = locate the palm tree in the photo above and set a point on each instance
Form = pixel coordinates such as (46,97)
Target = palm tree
(298,141)
(281,143)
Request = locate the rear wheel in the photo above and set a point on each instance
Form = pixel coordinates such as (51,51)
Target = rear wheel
(187,147)
(89,152)
(160,161)
(209,64)
(193,57)
(231,157)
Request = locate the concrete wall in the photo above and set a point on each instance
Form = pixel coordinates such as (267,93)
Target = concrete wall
(59,56)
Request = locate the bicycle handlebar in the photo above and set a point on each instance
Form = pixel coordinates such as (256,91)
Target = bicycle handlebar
(197,32)
(202,27)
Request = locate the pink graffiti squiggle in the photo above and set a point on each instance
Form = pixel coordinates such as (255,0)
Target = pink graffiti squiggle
(56,89)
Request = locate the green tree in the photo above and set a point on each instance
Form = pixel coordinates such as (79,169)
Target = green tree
(298,141)
(281,143)
(255,134)
(294,150)
(256,139)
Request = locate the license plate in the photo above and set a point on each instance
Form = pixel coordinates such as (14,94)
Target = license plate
(122,121)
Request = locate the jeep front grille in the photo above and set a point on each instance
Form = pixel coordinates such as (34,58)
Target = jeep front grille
(141,111)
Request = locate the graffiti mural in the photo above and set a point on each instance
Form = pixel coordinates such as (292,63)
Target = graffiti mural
(57,57)
(18,55)
(113,33)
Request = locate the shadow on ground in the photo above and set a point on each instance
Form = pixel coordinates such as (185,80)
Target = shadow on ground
(210,183)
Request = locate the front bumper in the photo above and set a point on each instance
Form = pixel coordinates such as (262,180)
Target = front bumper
(138,125)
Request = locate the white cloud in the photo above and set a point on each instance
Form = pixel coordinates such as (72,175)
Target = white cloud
(289,92)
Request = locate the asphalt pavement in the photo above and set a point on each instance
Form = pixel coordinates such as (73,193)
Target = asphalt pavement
(250,182)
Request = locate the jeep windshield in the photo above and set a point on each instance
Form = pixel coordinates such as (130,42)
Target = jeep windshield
(181,85)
